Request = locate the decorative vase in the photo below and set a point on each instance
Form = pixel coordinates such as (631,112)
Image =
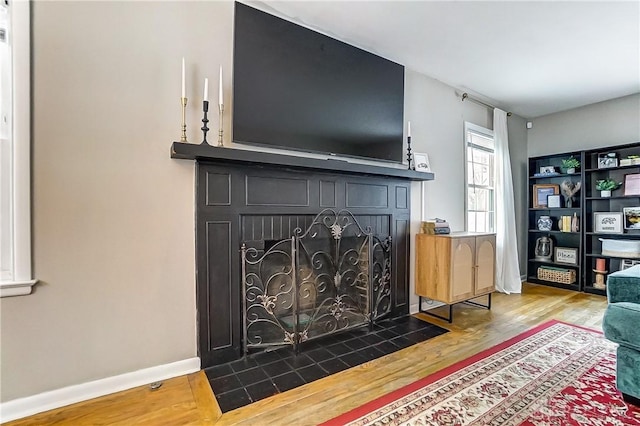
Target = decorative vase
(545,223)
(574,223)
(571,170)
(605,194)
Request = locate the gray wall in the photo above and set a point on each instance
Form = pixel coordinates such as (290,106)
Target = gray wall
(437,118)
(613,122)
(113,215)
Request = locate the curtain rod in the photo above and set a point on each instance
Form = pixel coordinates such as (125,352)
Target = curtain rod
(465,95)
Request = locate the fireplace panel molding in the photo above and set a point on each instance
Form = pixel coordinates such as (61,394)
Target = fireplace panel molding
(383,205)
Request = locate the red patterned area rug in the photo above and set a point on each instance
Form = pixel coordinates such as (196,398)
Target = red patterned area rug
(554,375)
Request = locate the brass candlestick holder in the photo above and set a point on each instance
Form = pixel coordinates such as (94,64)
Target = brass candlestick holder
(183,102)
(220,131)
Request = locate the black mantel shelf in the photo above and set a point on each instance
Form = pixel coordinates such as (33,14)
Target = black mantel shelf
(190,151)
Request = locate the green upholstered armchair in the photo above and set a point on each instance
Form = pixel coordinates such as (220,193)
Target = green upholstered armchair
(621,325)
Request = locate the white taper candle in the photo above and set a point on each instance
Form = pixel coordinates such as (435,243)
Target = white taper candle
(183,84)
(220,97)
(206,89)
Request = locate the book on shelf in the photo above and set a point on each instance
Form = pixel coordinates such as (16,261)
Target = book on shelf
(438,231)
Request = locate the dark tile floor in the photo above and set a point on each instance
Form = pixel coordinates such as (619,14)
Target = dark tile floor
(263,374)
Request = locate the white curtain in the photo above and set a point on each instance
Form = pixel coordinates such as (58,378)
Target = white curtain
(508,270)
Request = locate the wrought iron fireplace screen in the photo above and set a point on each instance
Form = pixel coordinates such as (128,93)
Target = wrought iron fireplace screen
(334,276)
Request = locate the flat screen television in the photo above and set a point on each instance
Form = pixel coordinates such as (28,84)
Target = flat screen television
(298,89)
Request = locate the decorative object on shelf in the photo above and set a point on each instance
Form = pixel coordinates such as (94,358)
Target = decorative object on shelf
(605,186)
(409,146)
(205,110)
(608,160)
(435,226)
(566,255)
(620,248)
(607,222)
(544,223)
(631,160)
(632,184)
(628,263)
(564,224)
(571,164)
(568,223)
(183,102)
(554,201)
(220,108)
(541,192)
(548,174)
(421,162)
(631,217)
(544,248)
(575,223)
(601,273)
(557,275)
(569,189)
(547,170)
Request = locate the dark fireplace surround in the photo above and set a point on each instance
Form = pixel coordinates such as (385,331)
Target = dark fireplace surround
(259,199)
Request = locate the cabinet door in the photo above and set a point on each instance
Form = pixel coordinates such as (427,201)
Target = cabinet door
(462,268)
(485,264)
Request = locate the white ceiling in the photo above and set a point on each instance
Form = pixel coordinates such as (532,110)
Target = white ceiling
(529,57)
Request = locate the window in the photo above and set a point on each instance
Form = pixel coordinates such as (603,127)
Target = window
(480,157)
(15,155)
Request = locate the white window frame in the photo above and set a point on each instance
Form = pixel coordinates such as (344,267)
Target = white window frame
(482,131)
(17,276)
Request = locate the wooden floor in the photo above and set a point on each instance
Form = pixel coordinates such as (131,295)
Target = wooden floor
(188,400)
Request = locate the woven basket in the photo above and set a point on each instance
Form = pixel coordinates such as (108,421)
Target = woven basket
(564,276)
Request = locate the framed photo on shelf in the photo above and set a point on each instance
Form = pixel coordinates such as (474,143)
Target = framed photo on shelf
(608,222)
(606,161)
(541,192)
(631,217)
(566,255)
(632,184)
(421,162)
(554,201)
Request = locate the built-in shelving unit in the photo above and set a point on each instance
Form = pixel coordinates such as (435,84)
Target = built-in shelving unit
(588,238)
(561,238)
(595,203)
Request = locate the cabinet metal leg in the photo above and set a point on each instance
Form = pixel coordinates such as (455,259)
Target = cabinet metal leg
(450,317)
(488,305)
(428,312)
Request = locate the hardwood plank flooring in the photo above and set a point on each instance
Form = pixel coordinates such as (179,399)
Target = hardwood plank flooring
(188,400)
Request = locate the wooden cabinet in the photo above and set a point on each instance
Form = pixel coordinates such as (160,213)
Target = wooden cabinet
(455,267)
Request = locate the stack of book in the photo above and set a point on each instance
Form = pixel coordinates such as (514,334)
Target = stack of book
(435,226)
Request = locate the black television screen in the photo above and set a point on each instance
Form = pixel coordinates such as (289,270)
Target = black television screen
(296,88)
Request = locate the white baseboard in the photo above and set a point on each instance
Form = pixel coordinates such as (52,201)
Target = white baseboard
(23,407)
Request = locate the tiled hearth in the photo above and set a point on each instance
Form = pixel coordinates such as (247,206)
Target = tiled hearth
(264,374)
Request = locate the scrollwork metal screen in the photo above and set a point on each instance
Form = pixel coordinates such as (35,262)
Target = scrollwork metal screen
(331,277)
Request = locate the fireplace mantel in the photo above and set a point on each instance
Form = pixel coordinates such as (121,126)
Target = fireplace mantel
(256,197)
(190,151)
